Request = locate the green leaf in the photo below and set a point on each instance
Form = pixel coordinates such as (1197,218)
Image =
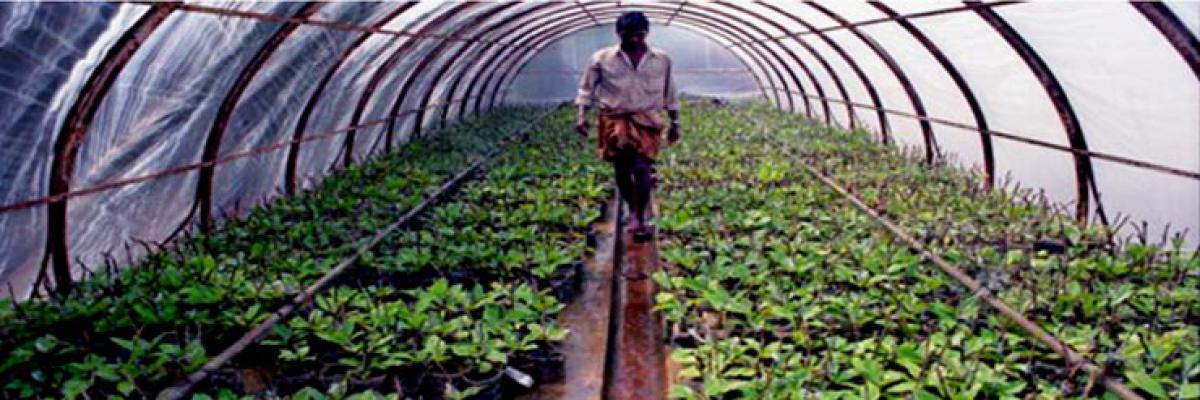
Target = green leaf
(1189,391)
(923,395)
(1146,383)
(462,350)
(903,387)
(124,343)
(679,391)
(108,373)
(496,356)
(742,372)
(75,387)
(45,343)
(201,294)
(125,387)
(689,373)
(309,393)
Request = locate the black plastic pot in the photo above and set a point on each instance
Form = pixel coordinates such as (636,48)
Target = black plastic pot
(491,387)
(567,282)
(544,364)
(423,386)
(549,366)
(592,241)
(603,206)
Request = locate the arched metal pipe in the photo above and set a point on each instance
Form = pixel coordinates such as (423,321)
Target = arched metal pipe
(385,67)
(713,26)
(985,139)
(474,23)
(500,58)
(734,31)
(1084,177)
(464,59)
(293,154)
(75,128)
(1173,30)
(812,78)
(212,145)
(792,55)
(585,10)
(884,127)
(491,75)
(851,115)
(496,58)
(913,97)
(910,16)
(519,61)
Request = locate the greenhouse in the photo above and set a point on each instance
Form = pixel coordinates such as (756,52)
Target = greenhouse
(600,199)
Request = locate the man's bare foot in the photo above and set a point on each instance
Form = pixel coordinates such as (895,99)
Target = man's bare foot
(642,232)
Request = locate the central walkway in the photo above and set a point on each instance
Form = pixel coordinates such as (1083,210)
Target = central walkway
(638,367)
(616,349)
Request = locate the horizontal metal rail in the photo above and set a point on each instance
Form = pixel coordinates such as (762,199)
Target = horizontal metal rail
(874,21)
(181,389)
(1073,359)
(343,26)
(1036,142)
(21,205)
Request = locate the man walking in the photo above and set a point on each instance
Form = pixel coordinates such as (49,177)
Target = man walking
(632,83)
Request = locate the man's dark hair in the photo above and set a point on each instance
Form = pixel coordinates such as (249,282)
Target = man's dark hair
(632,21)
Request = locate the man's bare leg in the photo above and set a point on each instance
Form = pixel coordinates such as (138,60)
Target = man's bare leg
(623,167)
(643,182)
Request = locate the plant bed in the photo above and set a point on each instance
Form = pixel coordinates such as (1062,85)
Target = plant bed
(471,288)
(777,288)
(129,332)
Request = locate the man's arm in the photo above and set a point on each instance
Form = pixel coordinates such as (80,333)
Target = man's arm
(673,130)
(581,122)
(583,97)
(672,105)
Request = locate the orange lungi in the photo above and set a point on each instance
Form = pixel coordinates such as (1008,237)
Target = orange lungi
(629,132)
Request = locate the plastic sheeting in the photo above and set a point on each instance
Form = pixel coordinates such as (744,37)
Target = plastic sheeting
(336,106)
(157,116)
(1134,99)
(266,112)
(1135,93)
(46,52)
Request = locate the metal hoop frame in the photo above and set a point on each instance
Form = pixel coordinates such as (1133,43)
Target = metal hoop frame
(499,50)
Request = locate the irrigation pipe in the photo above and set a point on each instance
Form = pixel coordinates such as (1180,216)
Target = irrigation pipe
(1073,359)
(182,388)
